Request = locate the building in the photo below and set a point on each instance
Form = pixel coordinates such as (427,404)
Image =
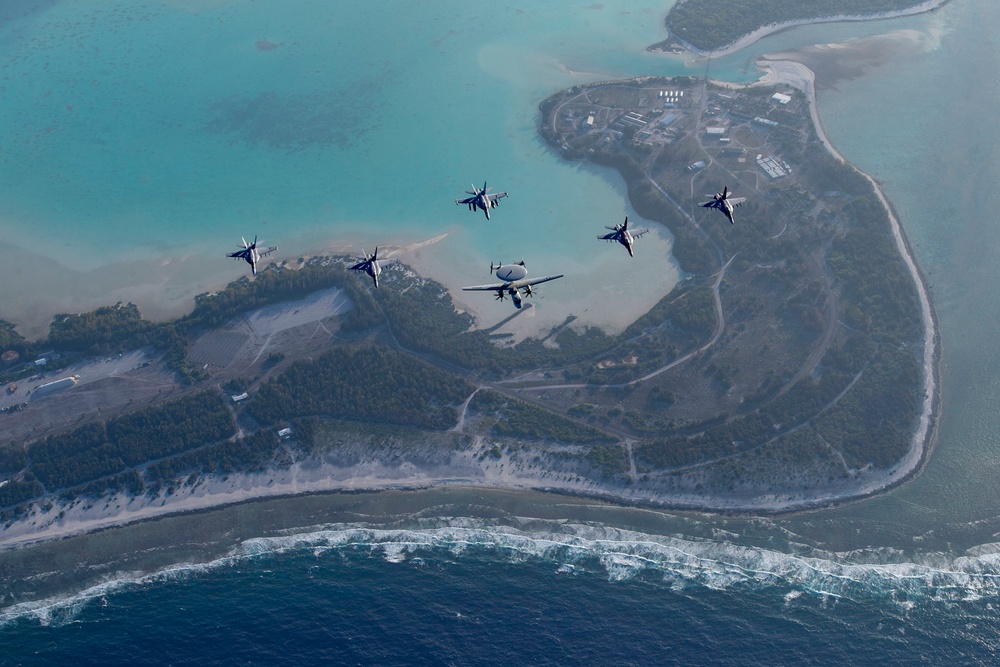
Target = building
(770,166)
(240,397)
(55,386)
(781,98)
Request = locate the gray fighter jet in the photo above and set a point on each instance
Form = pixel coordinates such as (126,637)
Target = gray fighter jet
(481,198)
(250,255)
(724,203)
(623,235)
(514,277)
(372,265)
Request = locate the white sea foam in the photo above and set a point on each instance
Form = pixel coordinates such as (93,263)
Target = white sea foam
(620,555)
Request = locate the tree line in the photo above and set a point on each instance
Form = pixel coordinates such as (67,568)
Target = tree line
(710,25)
(371,383)
(517,419)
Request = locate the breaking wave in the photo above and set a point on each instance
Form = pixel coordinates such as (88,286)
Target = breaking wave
(576,548)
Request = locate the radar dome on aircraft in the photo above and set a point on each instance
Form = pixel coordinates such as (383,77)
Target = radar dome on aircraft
(511,272)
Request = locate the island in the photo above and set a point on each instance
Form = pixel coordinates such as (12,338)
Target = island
(721,27)
(793,366)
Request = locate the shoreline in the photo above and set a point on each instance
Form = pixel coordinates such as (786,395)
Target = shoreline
(212,493)
(798,75)
(311,477)
(764,31)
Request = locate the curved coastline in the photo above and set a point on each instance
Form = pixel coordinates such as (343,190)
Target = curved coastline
(801,77)
(245,488)
(762,32)
(218,493)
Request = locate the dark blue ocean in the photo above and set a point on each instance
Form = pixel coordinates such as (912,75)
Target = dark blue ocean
(356,603)
(465,590)
(909,577)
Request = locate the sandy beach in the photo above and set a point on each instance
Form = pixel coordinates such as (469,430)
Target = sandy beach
(464,469)
(799,76)
(599,290)
(166,289)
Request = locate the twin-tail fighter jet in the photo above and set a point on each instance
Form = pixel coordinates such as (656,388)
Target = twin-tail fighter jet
(724,203)
(481,198)
(372,265)
(623,235)
(514,282)
(250,255)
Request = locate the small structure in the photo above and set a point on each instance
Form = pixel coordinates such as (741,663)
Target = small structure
(55,386)
(240,397)
(668,119)
(285,432)
(41,362)
(781,98)
(770,166)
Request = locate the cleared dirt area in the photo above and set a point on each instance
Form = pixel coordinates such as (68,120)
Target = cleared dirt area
(107,387)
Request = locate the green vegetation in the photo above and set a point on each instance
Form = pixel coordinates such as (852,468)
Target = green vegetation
(809,274)
(710,25)
(276,285)
(104,457)
(611,459)
(11,340)
(254,453)
(106,330)
(873,422)
(120,328)
(367,384)
(524,421)
(103,449)
(818,366)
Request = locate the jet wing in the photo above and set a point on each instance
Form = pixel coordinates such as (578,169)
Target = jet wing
(496,196)
(268,251)
(534,281)
(608,237)
(360,266)
(736,201)
(639,232)
(239,254)
(712,204)
(467,200)
(485,288)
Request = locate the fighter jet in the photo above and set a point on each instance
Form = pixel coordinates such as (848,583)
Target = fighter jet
(372,266)
(250,254)
(514,282)
(725,203)
(481,199)
(622,234)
